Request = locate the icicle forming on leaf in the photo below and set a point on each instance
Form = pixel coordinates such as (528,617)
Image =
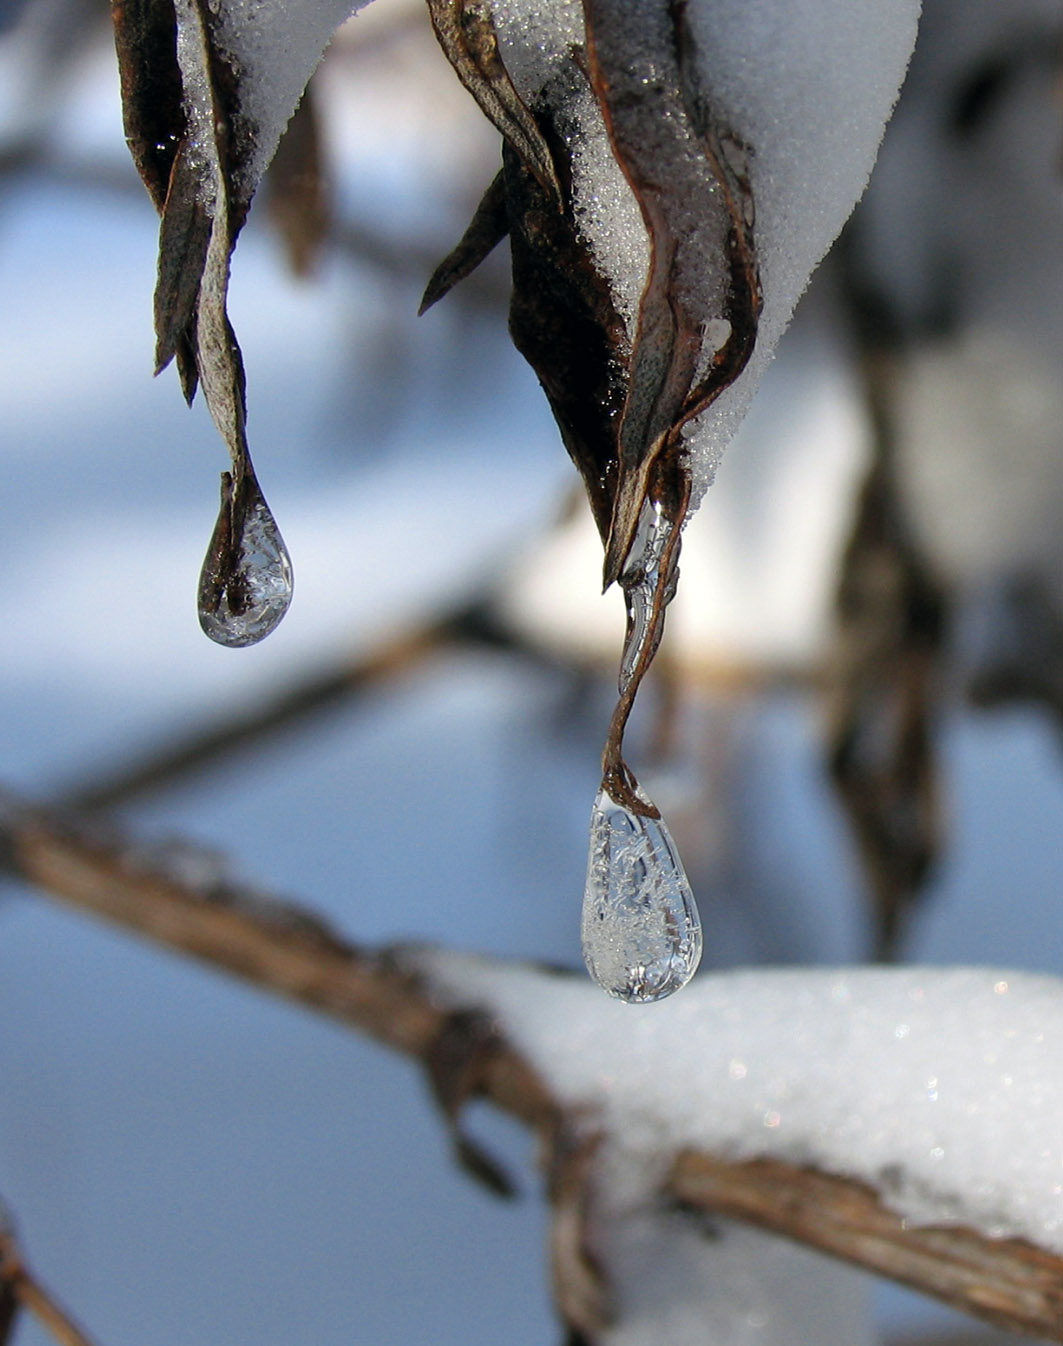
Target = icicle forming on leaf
(622,397)
(193,150)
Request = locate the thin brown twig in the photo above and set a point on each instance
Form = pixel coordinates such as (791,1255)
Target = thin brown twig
(275,945)
(33,1297)
(390,996)
(329,685)
(322,689)
(1008,1282)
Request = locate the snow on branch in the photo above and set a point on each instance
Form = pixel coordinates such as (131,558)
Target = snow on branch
(905,1120)
(1009,1282)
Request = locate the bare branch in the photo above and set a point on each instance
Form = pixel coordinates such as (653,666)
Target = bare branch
(473,622)
(1008,1282)
(389,996)
(470,622)
(275,945)
(27,1293)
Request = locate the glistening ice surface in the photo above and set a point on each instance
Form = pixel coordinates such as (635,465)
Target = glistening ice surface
(246,604)
(942,1087)
(641,930)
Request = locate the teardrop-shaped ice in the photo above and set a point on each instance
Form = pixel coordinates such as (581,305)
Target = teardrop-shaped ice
(245,585)
(641,929)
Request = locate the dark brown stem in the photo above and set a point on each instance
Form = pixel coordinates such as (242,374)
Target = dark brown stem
(322,689)
(273,944)
(617,778)
(1005,1281)
(31,1296)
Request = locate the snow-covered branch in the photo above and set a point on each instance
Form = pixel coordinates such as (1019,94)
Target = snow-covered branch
(1007,1281)
(901,1120)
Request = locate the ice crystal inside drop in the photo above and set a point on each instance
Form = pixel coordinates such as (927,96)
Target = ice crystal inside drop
(641,929)
(245,585)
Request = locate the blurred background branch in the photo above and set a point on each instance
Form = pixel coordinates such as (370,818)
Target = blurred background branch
(21,1291)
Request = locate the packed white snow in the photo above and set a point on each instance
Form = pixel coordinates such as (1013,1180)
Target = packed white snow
(275,46)
(942,1087)
(676,1283)
(810,86)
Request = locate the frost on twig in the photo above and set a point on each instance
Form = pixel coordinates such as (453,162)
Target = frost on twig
(904,1120)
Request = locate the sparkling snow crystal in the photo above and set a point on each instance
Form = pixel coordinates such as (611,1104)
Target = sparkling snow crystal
(942,1087)
(275,46)
(808,85)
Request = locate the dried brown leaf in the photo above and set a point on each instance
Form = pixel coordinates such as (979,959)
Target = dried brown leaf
(564,320)
(622,401)
(883,705)
(167,109)
(297,194)
(156,129)
(152,109)
(686,171)
(184,235)
(217,354)
(489,226)
(457,1062)
(466,32)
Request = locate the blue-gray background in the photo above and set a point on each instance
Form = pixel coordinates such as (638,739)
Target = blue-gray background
(188,1159)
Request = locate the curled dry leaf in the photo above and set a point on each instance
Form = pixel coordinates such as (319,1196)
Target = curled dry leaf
(565,321)
(488,228)
(152,94)
(697,319)
(297,188)
(207,89)
(192,150)
(156,127)
(885,687)
(214,152)
(466,32)
(689,175)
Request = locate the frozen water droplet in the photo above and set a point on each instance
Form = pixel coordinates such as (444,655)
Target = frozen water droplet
(245,585)
(642,576)
(641,929)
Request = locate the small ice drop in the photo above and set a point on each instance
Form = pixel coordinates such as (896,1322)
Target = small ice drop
(245,585)
(641,929)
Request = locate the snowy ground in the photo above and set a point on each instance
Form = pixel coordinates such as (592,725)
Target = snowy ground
(189,1160)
